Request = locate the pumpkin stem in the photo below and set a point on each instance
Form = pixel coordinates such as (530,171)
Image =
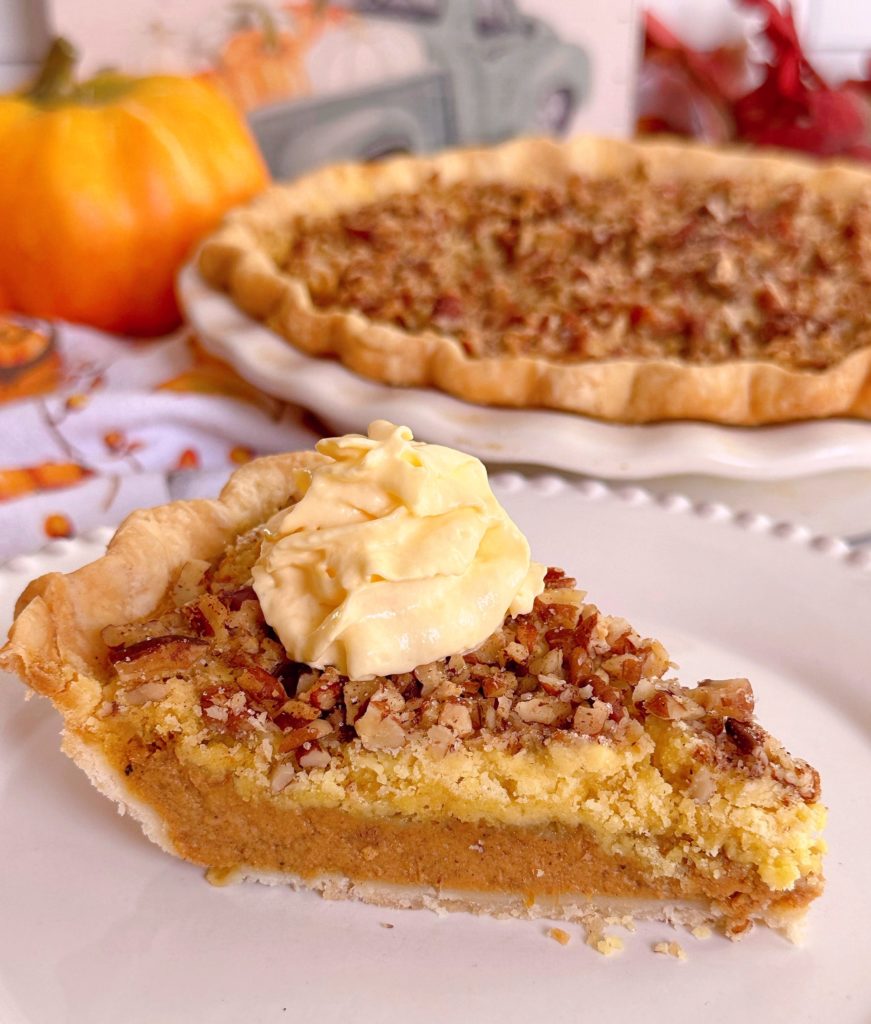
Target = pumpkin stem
(264,19)
(55,78)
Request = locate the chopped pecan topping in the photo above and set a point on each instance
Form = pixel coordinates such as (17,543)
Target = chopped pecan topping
(209,617)
(588,269)
(702,786)
(357,694)
(561,673)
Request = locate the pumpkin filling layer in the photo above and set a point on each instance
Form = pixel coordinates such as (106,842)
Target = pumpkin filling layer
(560,728)
(700,271)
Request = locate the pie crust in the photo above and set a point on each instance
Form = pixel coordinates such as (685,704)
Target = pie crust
(631,390)
(437,830)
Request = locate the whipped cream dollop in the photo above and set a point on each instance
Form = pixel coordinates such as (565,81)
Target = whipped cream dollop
(396,554)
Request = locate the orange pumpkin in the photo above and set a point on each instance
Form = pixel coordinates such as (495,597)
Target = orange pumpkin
(106,186)
(263,59)
(261,64)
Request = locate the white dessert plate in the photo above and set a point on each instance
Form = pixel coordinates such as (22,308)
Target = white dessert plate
(347,402)
(100,926)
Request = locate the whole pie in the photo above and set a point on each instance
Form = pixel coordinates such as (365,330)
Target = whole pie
(628,281)
(555,767)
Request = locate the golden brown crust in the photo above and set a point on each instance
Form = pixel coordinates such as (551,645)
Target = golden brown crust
(54,643)
(237,260)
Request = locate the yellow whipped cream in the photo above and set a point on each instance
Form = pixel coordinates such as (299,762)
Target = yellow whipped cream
(397,554)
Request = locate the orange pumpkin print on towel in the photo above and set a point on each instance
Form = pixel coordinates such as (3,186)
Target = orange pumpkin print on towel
(260,58)
(19,481)
(210,376)
(58,525)
(189,459)
(16,483)
(29,362)
(117,442)
(240,454)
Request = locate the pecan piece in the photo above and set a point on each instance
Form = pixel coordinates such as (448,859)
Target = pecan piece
(549,664)
(623,644)
(128,634)
(498,684)
(314,757)
(379,730)
(798,774)
(589,721)
(158,656)
(457,718)
(525,631)
(440,740)
(430,677)
(543,710)
(702,786)
(555,613)
(584,629)
(580,668)
(308,733)
(673,707)
(357,693)
(555,579)
(298,711)
(210,615)
(225,708)
(234,599)
(282,775)
(748,738)
(725,698)
(517,653)
(145,693)
(325,696)
(258,682)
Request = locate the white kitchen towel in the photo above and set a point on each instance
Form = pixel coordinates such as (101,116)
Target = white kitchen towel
(128,424)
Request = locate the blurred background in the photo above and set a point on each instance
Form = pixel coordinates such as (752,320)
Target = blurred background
(112,393)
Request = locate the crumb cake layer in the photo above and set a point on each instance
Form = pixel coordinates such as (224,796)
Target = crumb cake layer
(558,757)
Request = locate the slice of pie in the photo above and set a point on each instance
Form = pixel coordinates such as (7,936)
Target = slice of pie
(347,674)
(628,281)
